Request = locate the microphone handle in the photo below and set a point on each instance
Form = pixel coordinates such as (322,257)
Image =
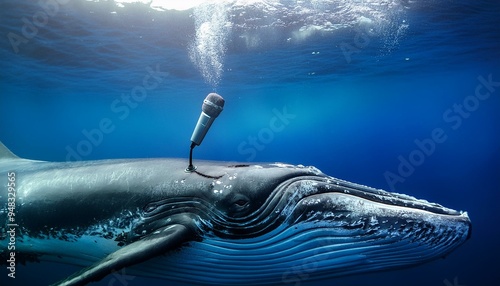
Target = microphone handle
(201,129)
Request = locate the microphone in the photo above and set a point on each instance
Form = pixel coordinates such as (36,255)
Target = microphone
(211,108)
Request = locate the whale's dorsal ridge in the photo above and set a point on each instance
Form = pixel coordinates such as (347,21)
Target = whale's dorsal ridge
(5,153)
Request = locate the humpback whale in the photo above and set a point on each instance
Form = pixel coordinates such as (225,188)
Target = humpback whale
(226,223)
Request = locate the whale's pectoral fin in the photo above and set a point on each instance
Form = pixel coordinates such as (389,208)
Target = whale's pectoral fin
(163,240)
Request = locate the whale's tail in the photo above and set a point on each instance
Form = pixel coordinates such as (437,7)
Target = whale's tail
(5,153)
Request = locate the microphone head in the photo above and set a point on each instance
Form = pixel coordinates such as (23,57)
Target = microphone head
(213,105)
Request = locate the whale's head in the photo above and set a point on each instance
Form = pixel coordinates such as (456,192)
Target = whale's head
(297,220)
(257,198)
(275,223)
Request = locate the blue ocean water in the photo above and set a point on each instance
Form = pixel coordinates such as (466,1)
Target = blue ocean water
(399,95)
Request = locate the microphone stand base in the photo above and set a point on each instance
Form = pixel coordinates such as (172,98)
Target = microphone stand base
(190,169)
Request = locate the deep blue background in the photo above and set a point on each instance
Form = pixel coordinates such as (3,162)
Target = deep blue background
(352,118)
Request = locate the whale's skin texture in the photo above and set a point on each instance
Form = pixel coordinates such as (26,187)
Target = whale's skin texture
(226,223)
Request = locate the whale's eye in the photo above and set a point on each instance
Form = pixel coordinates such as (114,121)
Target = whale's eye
(241,202)
(235,204)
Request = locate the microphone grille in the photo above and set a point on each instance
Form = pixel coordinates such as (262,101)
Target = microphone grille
(213,105)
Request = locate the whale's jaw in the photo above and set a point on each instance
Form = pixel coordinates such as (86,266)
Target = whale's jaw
(324,228)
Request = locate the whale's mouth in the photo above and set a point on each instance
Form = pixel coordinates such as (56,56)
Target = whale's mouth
(319,185)
(324,200)
(350,206)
